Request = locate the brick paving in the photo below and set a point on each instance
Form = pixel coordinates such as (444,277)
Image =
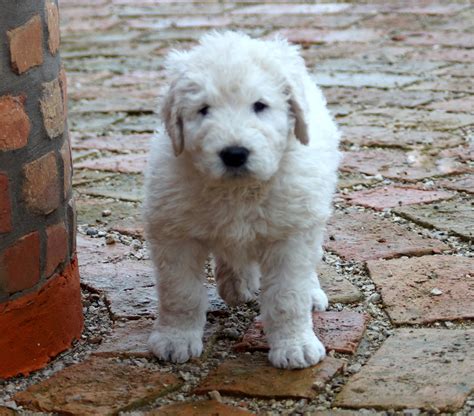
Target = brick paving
(398,77)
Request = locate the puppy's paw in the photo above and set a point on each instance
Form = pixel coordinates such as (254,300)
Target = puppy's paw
(171,344)
(234,288)
(302,352)
(319,300)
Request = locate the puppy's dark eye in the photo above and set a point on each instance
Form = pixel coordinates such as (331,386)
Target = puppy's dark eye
(258,106)
(204,110)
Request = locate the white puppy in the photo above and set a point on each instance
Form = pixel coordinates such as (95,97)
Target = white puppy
(249,176)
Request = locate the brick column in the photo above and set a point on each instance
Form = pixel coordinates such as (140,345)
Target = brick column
(40,299)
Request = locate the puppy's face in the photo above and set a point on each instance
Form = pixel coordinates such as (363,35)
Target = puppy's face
(230,109)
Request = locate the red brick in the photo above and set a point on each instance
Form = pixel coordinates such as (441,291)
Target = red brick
(5,205)
(40,325)
(56,247)
(14,123)
(52,108)
(407,288)
(41,188)
(20,264)
(97,386)
(67,167)
(200,408)
(52,19)
(26,45)
(338,331)
(252,375)
(362,236)
(394,196)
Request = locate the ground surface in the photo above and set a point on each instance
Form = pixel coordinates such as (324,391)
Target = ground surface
(398,265)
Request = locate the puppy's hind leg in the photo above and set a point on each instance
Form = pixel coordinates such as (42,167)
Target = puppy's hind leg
(237,284)
(182,297)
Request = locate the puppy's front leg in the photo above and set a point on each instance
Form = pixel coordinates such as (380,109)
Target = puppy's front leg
(287,288)
(182,297)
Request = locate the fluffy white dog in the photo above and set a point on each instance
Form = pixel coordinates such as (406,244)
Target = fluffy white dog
(248,176)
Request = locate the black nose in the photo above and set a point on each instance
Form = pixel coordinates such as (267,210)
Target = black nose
(234,156)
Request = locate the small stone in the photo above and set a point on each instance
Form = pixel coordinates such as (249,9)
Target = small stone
(354,368)
(109,239)
(215,395)
(106,213)
(92,231)
(436,292)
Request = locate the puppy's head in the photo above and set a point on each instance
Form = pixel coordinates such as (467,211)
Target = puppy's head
(234,104)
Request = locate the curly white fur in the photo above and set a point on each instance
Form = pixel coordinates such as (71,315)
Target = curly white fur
(265,225)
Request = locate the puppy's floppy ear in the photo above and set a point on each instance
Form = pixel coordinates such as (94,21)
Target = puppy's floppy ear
(299,108)
(295,73)
(173,120)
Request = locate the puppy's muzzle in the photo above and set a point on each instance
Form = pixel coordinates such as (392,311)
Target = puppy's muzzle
(234,156)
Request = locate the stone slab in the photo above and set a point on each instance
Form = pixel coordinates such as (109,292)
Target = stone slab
(337,287)
(252,375)
(199,408)
(97,386)
(358,80)
(122,187)
(338,331)
(394,196)
(431,369)
(362,236)
(425,289)
(454,216)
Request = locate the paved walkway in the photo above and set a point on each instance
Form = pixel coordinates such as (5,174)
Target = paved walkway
(398,266)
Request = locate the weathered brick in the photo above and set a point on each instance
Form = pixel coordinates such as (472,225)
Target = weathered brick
(425,289)
(41,188)
(134,163)
(458,105)
(277,9)
(199,408)
(415,368)
(52,19)
(337,287)
(306,36)
(14,123)
(400,165)
(67,167)
(375,136)
(252,375)
(56,247)
(26,45)
(52,109)
(454,216)
(97,386)
(338,331)
(440,38)
(463,183)
(395,196)
(5,205)
(20,264)
(357,79)
(363,236)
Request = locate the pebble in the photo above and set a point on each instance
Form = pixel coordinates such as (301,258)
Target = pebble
(106,213)
(92,231)
(354,368)
(215,395)
(374,298)
(436,291)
